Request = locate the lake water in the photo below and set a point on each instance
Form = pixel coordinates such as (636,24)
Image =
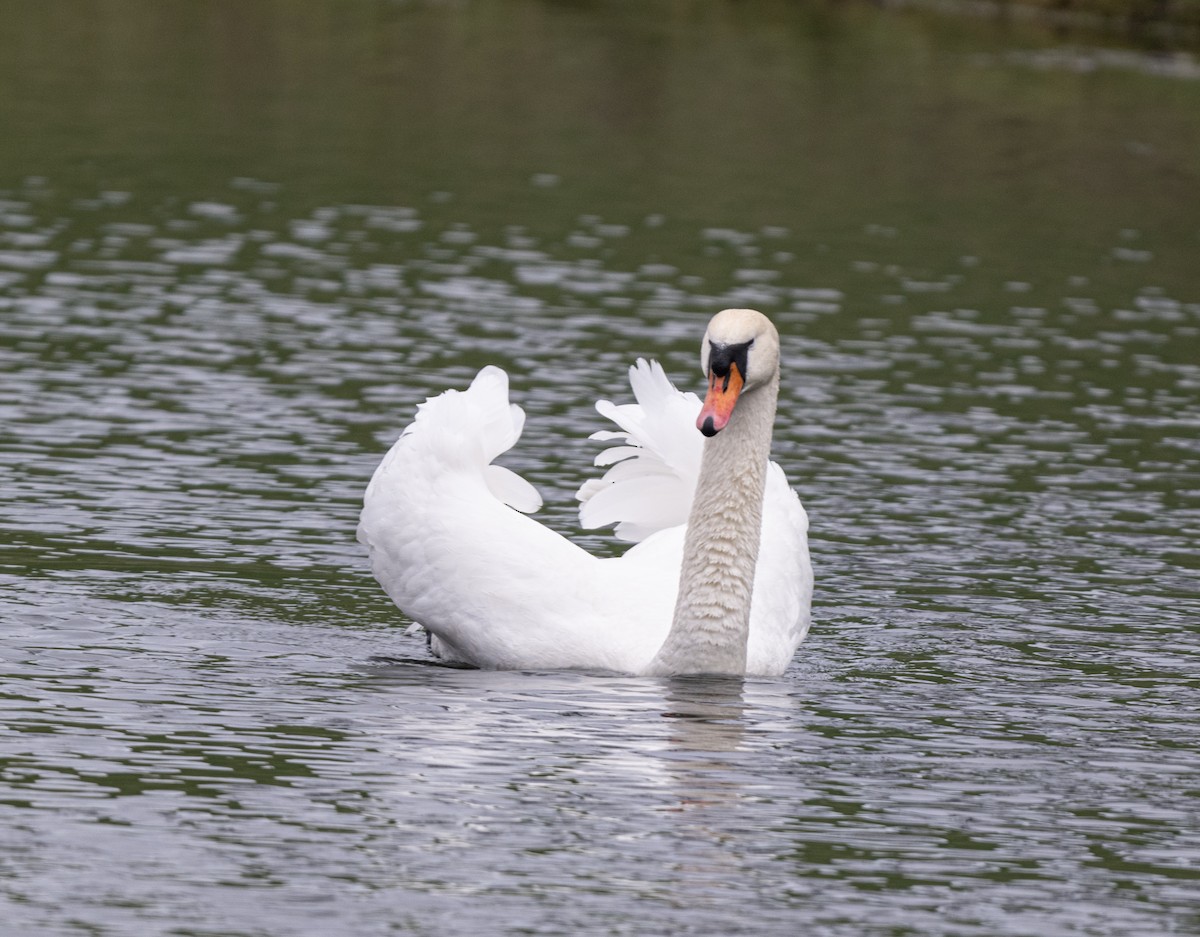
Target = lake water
(238,244)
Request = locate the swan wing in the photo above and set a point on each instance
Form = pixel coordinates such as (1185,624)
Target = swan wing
(654,467)
(466,429)
(496,588)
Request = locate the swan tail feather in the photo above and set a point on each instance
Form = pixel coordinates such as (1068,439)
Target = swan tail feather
(654,466)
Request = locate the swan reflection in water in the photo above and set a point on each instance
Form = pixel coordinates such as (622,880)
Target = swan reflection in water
(705,713)
(567,777)
(691,741)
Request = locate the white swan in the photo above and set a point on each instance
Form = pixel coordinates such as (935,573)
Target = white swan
(719,579)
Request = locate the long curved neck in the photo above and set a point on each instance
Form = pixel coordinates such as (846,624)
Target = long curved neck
(712,611)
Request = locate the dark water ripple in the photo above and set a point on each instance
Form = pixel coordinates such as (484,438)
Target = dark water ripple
(992,729)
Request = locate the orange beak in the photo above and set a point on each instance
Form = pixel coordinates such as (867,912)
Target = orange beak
(719,402)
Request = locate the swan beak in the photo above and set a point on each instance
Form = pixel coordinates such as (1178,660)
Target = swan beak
(719,402)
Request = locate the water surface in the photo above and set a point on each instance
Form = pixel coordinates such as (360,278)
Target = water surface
(237,249)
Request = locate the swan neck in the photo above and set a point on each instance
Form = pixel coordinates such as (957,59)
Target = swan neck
(711,624)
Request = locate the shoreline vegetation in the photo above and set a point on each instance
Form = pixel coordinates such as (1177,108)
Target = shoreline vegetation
(1156,25)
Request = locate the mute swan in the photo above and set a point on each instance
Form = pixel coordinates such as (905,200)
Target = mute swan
(718,580)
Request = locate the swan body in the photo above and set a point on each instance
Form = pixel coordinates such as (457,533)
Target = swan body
(718,580)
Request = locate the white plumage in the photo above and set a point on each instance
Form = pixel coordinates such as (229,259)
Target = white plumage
(499,590)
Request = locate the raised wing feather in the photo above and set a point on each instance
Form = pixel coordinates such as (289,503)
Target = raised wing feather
(471,428)
(652,478)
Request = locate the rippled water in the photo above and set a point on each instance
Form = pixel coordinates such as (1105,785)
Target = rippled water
(991,730)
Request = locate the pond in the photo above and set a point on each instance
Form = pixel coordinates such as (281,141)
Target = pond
(238,246)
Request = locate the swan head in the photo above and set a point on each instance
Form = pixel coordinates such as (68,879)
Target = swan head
(739,354)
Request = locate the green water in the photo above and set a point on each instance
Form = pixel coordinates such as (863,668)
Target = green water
(240,241)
